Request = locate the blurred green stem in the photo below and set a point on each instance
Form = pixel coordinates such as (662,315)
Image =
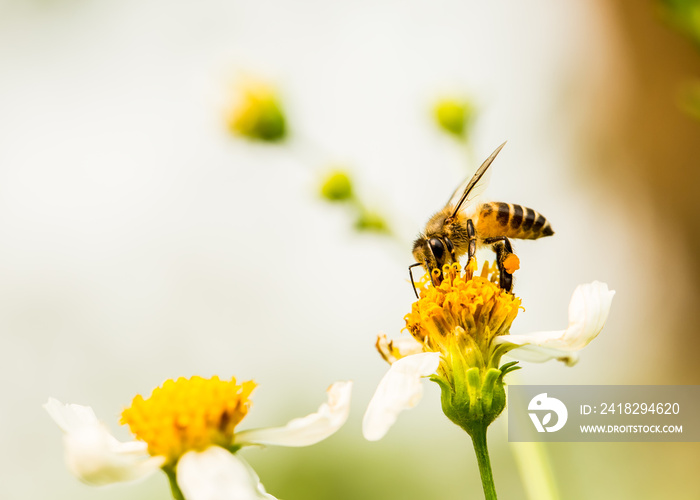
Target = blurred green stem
(482,457)
(469,155)
(174,488)
(534,463)
(535,470)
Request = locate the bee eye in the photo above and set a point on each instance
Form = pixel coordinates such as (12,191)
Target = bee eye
(437,248)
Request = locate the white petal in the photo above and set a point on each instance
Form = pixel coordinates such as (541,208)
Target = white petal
(310,429)
(407,346)
(93,454)
(216,474)
(588,311)
(537,354)
(69,417)
(399,390)
(392,350)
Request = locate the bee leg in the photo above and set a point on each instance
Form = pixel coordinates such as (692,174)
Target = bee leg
(472,239)
(505,279)
(451,249)
(503,249)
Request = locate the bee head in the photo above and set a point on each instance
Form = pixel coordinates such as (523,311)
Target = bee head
(432,253)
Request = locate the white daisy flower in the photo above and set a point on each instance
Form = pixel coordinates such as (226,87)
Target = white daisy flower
(187,429)
(460,330)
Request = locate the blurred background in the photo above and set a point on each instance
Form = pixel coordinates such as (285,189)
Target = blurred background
(232,188)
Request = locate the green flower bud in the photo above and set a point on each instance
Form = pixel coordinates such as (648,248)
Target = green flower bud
(454,116)
(371,221)
(258,114)
(337,186)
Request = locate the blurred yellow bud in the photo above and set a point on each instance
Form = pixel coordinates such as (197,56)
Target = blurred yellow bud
(454,116)
(371,221)
(683,15)
(337,186)
(257,113)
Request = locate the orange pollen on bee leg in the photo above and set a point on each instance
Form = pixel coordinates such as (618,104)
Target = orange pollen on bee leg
(511,263)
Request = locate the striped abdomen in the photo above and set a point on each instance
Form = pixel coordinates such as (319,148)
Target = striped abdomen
(511,220)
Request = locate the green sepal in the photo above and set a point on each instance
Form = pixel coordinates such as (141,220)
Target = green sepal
(444,386)
(489,386)
(507,368)
(477,401)
(474,391)
(233,448)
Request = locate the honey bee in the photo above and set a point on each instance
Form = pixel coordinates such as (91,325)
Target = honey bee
(466,223)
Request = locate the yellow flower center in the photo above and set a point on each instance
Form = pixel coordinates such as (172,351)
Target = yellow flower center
(188,414)
(465,311)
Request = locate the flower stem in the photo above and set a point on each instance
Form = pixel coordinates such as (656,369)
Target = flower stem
(174,488)
(482,457)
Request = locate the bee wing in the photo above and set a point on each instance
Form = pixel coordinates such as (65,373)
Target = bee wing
(469,191)
(474,194)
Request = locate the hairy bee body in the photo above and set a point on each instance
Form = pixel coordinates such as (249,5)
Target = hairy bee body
(495,219)
(492,220)
(466,222)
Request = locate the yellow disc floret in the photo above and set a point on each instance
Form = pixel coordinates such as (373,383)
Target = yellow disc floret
(188,414)
(464,312)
